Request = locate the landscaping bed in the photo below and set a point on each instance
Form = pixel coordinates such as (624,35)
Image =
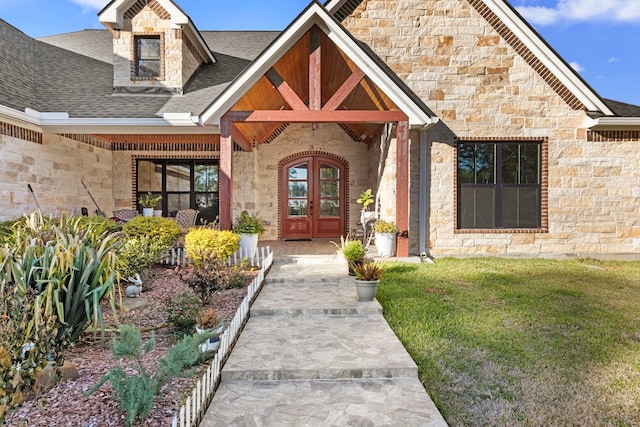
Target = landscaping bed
(65,405)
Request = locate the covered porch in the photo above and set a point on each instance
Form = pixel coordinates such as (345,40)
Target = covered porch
(315,74)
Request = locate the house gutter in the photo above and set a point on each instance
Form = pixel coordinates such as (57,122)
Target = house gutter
(60,122)
(619,123)
(424,208)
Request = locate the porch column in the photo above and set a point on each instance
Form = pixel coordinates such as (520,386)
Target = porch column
(402,187)
(226,174)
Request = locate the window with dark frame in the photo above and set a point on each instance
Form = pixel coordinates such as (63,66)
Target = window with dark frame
(499,184)
(148,56)
(183,184)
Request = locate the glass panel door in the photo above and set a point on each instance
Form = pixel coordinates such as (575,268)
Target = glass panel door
(329,191)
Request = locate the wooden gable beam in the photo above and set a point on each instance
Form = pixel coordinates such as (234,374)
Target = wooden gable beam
(285,90)
(347,87)
(402,187)
(240,139)
(226,175)
(315,75)
(322,116)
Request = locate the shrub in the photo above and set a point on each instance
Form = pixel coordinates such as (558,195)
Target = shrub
(137,255)
(99,222)
(25,329)
(351,250)
(136,391)
(182,310)
(201,243)
(213,275)
(7,231)
(164,231)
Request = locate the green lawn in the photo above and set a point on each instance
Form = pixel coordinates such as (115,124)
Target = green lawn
(509,342)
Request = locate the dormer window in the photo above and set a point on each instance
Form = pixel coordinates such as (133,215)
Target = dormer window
(148,56)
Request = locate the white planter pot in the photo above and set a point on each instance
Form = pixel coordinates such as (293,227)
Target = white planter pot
(147,211)
(386,244)
(157,213)
(248,245)
(366,289)
(212,344)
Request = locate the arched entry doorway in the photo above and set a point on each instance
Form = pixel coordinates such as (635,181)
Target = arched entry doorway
(313,197)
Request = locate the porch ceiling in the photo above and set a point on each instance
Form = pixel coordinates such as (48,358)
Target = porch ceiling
(294,73)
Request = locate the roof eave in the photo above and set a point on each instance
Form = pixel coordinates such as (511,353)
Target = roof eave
(551,59)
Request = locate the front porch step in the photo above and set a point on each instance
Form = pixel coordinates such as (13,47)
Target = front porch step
(312,299)
(399,402)
(314,348)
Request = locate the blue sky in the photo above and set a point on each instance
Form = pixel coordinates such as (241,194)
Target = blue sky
(600,38)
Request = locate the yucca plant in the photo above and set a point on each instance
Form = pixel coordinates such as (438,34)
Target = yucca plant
(72,269)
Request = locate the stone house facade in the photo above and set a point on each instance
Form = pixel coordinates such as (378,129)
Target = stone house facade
(476,137)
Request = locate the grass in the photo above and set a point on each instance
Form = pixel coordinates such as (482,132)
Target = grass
(503,342)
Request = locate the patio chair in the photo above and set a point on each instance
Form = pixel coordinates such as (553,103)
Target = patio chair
(125,215)
(186,218)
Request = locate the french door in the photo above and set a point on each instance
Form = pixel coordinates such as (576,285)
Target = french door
(313,197)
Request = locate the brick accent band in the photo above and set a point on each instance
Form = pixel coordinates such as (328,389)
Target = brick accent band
(153,4)
(613,135)
(20,133)
(526,54)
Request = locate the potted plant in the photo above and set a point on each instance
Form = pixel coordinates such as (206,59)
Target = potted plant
(208,322)
(366,198)
(353,252)
(368,275)
(386,233)
(249,227)
(148,203)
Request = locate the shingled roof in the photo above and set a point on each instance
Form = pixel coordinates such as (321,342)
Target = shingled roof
(73,73)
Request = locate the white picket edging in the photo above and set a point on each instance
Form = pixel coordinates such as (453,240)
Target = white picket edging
(176,255)
(193,410)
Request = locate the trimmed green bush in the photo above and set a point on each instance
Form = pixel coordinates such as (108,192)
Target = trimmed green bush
(203,243)
(164,231)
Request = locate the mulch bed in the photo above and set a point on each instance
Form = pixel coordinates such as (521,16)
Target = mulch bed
(64,404)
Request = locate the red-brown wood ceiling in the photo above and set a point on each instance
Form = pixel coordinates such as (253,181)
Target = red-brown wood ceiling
(293,68)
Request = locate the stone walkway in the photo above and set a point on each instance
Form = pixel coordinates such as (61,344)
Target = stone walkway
(312,355)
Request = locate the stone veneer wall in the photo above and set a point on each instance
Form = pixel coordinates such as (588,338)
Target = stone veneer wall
(481,87)
(255,174)
(54,169)
(178,63)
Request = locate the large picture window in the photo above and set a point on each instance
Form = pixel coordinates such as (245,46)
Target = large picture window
(499,185)
(183,184)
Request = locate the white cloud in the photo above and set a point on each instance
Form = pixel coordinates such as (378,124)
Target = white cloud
(613,59)
(91,4)
(576,67)
(583,10)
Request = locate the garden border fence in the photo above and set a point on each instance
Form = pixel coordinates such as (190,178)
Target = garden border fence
(191,413)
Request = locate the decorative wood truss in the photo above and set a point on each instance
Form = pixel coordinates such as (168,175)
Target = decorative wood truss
(313,82)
